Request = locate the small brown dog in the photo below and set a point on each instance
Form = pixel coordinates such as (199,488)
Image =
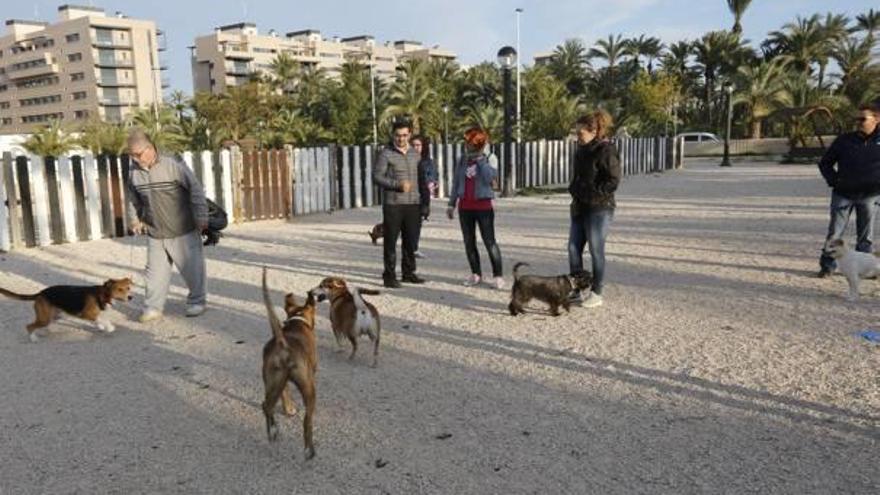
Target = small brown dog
(377,232)
(291,356)
(86,302)
(552,290)
(350,315)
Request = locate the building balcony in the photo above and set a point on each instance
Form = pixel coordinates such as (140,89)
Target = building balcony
(41,70)
(238,71)
(116,102)
(111,44)
(114,83)
(165,83)
(104,62)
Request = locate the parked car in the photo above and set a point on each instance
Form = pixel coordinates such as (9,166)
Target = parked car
(698,137)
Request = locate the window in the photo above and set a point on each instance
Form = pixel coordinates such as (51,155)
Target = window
(72,38)
(7,121)
(330,55)
(263,50)
(40,62)
(38,82)
(79,95)
(4,104)
(31,119)
(3,88)
(385,59)
(42,100)
(77,76)
(74,57)
(81,114)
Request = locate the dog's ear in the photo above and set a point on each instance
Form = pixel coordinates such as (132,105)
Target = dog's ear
(337,283)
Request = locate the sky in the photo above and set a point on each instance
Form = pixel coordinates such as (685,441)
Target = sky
(473,29)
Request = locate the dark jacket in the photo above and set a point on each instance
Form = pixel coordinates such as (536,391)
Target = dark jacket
(392,168)
(858,164)
(426,169)
(596,175)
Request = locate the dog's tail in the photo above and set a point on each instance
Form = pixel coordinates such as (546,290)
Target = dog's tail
(274,322)
(18,297)
(369,292)
(516,269)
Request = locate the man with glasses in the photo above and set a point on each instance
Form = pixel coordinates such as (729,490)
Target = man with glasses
(167,202)
(851,168)
(397,174)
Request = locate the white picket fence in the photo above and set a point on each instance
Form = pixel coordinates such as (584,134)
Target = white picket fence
(79,197)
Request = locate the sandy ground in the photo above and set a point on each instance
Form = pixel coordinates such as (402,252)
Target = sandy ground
(717,365)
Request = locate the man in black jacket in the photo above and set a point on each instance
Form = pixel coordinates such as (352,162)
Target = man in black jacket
(854,182)
(397,173)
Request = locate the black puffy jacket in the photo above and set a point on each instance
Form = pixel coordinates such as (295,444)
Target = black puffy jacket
(858,164)
(596,175)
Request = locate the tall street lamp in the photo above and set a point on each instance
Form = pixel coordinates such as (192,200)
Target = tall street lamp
(507,61)
(445,125)
(728,88)
(519,12)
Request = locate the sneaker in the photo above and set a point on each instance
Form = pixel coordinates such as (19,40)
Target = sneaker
(195,310)
(592,301)
(150,315)
(391,283)
(575,297)
(419,255)
(498,283)
(473,280)
(412,278)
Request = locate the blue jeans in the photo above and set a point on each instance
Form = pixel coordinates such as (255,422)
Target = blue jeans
(589,226)
(841,209)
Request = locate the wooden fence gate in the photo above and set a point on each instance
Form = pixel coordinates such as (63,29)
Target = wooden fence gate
(265,185)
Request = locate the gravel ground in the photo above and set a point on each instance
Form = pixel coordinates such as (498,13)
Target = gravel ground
(717,364)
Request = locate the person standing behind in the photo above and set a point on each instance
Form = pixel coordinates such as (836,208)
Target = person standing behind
(397,173)
(854,183)
(596,177)
(427,183)
(472,192)
(167,203)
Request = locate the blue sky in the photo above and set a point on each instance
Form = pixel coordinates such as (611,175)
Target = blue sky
(474,29)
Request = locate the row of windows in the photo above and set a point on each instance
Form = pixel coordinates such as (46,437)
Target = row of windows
(45,117)
(6,121)
(41,100)
(15,50)
(74,57)
(28,65)
(4,105)
(38,82)
(330,55)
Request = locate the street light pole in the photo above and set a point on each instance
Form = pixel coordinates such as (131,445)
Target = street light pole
(373,103)
(728,88)
(507,61)
(519,12)
(445,125)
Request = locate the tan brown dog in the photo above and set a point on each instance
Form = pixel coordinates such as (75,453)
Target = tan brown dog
(291,356)
(377,232)
(350,315)
(86,302)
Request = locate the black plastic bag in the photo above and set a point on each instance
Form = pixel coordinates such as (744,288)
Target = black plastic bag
(217,221)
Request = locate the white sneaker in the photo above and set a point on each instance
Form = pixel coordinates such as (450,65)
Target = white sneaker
(149,315)
(195,310)
(592,301)
(473,280)
(498,283)
(418,254)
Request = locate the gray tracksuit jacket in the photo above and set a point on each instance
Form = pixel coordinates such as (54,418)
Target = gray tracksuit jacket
(167,198)
(393,167)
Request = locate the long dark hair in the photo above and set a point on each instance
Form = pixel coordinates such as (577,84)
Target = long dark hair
(426,145)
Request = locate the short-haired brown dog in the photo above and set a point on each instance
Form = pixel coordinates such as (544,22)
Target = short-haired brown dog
(290,356)
(350,315)
(552,290)
(86,302)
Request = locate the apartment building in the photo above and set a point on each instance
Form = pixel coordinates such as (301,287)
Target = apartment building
(232,53)
(86,64)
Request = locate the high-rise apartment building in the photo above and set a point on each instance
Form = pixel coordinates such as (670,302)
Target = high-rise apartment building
(87,64)
(232,53)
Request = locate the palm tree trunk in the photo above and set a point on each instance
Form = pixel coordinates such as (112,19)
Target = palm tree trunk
(756,129)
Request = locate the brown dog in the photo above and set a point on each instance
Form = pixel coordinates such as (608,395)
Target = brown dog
(350,315)
(291,356)
(86,302)
(377,232)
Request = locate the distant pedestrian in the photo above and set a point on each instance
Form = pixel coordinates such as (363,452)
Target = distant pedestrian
(427,183)
(473,194)
(595,179)
(167,203)
(397,173)
(851,168)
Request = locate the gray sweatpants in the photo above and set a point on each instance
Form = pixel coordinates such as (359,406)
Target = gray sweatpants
(185,252)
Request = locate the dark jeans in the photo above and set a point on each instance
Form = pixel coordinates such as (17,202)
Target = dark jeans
(486,220)
(400,220)
(589,226)
(841,209)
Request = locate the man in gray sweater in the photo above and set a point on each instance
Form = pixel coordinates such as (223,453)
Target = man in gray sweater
(397,173)
(167,203)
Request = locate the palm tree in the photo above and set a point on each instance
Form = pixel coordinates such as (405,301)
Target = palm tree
(487,117)
(761,90)
(715,51)
(103,138)
(800,42)
(284,72)
(860,78)
(649,47)
(869,22)
(738,8)
(835,29)
(51,140)
(179,102)
(162,126)
(611,50)
(569,65)
(411,95)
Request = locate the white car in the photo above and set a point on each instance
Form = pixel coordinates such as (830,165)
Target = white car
(698,137)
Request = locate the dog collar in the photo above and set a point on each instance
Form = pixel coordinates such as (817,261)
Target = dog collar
(296,318)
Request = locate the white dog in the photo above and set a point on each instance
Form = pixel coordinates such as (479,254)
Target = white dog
(854,265)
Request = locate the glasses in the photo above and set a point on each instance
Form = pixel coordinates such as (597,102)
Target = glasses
(863,119)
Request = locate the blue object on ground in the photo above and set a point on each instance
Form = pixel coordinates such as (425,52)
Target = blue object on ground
(870,336)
